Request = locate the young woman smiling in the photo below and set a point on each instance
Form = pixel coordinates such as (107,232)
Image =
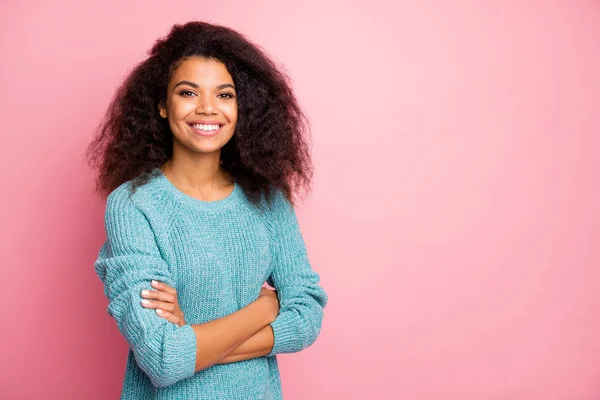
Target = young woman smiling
(201,153)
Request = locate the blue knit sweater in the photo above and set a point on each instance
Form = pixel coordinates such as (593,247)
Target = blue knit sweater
(217,255)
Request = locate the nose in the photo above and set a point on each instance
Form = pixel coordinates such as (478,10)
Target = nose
(205,105)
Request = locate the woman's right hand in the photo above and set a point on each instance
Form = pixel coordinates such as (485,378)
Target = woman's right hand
(273,300)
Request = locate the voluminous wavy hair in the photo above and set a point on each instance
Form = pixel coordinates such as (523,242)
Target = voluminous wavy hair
(269,149)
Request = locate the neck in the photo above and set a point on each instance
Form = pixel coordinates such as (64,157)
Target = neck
(201,173)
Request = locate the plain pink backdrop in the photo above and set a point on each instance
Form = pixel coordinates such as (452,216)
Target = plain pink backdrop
(455,214)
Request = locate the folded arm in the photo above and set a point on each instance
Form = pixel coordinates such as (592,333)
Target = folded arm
(127,262)
(260,344)
(166,352)
(301,298)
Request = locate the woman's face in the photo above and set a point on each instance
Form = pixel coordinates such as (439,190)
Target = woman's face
(201,106)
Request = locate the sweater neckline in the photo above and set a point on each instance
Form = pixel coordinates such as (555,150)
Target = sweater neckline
(214,205)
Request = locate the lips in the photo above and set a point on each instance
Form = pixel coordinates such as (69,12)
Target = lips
(207,129)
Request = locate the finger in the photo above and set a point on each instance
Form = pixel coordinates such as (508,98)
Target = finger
(168,316)
(163,286)
(159,295)
(169,307)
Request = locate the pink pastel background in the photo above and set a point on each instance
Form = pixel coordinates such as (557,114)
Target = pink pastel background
(455,214)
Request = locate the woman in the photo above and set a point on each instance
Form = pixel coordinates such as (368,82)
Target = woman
(200,153)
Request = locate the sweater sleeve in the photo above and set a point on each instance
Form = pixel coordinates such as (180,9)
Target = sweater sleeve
(301,299)
(127,262)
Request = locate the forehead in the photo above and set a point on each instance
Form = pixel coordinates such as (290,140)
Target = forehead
(204,71)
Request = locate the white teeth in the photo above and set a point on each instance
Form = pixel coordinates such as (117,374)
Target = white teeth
(204,127)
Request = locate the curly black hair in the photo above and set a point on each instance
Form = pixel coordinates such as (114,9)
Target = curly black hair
(269,149)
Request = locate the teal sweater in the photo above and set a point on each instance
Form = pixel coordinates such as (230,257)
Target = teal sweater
(217,255)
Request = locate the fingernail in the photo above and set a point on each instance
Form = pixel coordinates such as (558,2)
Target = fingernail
(145,292)
(154,282)
(159,311)
(145,301)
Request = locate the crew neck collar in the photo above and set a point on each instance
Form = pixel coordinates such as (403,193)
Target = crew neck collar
(215,205)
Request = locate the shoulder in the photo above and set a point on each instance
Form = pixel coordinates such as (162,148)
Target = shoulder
(279,199)
(121,210)
(276,202)
(120,198)
(148,200)
(278,209)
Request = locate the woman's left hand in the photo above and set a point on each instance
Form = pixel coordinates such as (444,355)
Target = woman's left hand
(164,300)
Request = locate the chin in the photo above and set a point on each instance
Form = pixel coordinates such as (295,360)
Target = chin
(206,150)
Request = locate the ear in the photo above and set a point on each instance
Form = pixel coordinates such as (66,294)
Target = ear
(162,110)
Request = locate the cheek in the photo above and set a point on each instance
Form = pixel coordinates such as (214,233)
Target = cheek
(177,113)
(232,113)
(173,125)
(180,109)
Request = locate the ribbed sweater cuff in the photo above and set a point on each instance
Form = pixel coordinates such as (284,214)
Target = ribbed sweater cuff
(182,356)
(285,335)
(178,359)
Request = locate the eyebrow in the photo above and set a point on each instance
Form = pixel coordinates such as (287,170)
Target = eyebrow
(196,86)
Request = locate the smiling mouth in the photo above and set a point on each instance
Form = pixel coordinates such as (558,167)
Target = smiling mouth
(206,129)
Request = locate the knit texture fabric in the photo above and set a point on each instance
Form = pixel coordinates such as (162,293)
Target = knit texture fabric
(217,255)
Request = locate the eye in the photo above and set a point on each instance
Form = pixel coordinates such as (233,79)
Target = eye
(185,92)
(227,95)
